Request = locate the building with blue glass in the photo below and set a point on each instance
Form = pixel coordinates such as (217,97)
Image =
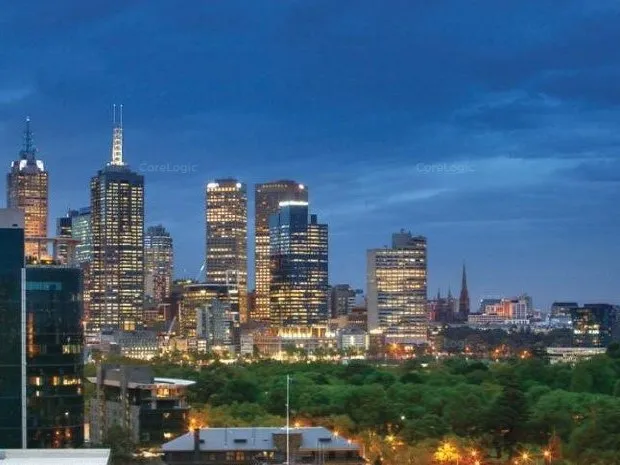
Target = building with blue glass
(595,325)
(12,307)
(298,247)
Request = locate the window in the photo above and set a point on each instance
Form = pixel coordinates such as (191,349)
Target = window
(230,456)
(239,456)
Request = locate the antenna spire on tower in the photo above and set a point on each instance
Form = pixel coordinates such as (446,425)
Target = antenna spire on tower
(28,149)
(117,137)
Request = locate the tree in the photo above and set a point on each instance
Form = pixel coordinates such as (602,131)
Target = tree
(122,447)
(507,418)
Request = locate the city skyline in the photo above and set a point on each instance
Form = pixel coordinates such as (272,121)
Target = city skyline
(509,145)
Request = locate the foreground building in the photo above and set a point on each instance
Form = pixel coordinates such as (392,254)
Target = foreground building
(267,199)
(595,325)
(397,280)
(299,270)
(226,239)
(41,393)
(54,456)
(117,222)
(152,409)
(261,446)
(27,191)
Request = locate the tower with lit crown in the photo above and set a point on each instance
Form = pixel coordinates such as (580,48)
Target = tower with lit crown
(27,190)
(464,298)
(117,231)
(267,198)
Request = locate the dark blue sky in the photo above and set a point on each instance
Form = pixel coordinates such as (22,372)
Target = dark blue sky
(491,127)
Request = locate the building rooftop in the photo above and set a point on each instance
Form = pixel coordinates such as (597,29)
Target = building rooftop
(163,382)
(223,439)
(54,456)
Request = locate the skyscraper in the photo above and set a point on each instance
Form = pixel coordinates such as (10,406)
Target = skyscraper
(226,238)
(81,230)
(117,222)
(464,298)
(158,263)
(266,201)
(299,269)
(27,190)
(63,229)
(12,309)
(397,289)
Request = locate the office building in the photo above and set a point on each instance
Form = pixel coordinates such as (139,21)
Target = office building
(215,324)
(562,309)
(81,231)
(267,199)
(299,270)
(342,299)
(195,296)
(12,309)
(27,190)
(117,266)
(152,409)
(41,355)
(397,279)
(63,230)
(595,325)
(139,344)
(54,356)
(226,238)
(262,446)
(158,263)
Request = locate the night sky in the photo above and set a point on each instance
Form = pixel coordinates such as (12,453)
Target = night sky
(493,128)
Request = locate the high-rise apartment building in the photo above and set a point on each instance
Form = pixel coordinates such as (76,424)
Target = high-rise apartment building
(397,280)
(27,190)
(267,198)
(299,269)
(54,347)
(41,364)
(226,238)
(158,263)
(117,222)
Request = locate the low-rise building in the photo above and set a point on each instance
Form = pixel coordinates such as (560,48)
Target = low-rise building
(262,446)
(54,456)
(353,339)
(151,409)
(141,345)
(572,354)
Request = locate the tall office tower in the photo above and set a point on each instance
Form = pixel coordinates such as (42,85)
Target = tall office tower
(267,198)
(298,261)
(227,237)
(63,229)
(27,190)
(595,325)
(117,222)
(464,298)
(158,263)
(397,289)
(12,308)
(81,231)
(54,361)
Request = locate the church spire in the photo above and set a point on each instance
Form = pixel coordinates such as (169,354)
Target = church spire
(117,137)
(464,297)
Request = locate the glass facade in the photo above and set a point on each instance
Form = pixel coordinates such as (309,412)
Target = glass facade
(227,236)
(266,202)
(595,325)
(298,267)
(54,343)
(397,281)
(158,263)
(11,266)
